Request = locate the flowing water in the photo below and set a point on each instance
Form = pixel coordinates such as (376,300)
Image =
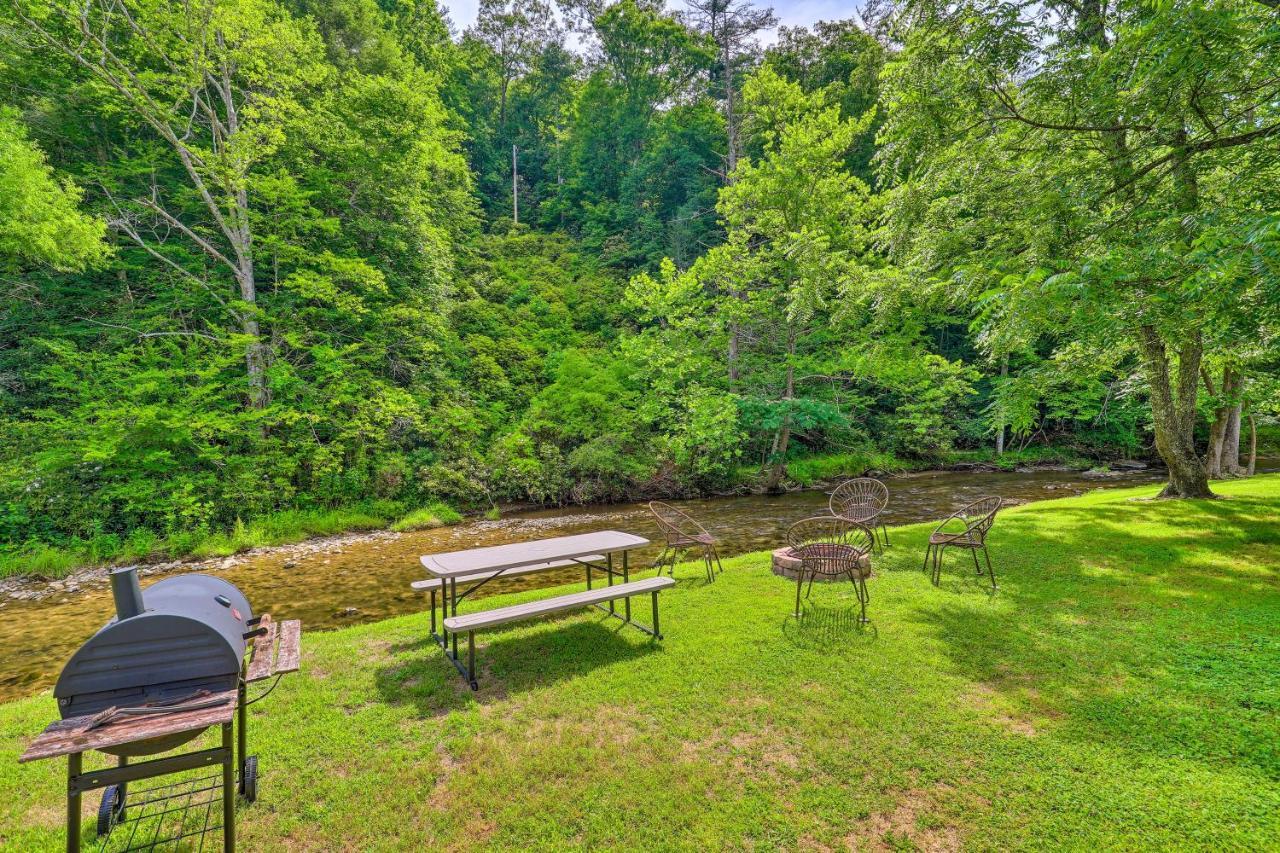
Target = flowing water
(368,579)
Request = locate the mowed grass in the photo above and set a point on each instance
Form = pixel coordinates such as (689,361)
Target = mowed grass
(1122,690)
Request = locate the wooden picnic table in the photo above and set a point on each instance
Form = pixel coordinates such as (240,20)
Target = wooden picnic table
(482,565)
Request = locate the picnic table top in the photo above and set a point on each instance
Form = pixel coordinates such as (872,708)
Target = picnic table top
(516,554)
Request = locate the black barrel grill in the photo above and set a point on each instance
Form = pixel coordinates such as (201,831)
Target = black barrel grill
(170,665)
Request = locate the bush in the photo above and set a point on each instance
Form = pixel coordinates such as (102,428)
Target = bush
(435,515)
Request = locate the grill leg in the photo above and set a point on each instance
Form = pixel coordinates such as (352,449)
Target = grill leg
(657,629)
(123,790)
(242,722)
(74,766)
(228,793)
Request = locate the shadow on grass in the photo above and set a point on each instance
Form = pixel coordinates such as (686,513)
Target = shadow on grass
(509,661)
(822,627)
(1146,627)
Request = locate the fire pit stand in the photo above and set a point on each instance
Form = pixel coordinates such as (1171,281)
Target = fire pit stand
(275,651)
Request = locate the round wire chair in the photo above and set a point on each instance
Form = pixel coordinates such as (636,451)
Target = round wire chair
(832,546)
(862,500)
(682,534)
(977,518)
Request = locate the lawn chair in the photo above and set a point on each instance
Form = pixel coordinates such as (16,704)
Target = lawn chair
(863,501)
(977,519)
(683,534)
(831,546)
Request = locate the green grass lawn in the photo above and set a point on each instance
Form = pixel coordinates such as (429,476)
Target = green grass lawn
(1122,690)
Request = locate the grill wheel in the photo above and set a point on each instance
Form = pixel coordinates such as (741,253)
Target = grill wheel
(249,779)
(110,810)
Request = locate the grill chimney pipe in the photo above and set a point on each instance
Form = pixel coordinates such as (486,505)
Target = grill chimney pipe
(127,593)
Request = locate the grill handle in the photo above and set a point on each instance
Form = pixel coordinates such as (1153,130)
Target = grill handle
(127,592)
(256,632)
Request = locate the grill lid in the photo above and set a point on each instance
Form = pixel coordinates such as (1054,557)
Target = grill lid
(189,637)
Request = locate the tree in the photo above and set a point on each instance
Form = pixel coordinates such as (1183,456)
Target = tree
(517,31)
(732,25)
(215,81)
(1060,172)
(40,222)
(794,225)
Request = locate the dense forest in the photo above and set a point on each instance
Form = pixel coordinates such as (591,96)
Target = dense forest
(273,256)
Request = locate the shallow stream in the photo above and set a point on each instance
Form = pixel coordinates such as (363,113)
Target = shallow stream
(367,578)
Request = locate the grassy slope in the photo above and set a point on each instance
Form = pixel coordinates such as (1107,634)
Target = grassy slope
(1122,690)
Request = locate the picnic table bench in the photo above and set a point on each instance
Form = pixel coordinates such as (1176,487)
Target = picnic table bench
(476,567)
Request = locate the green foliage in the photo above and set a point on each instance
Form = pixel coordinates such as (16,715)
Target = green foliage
(40,223)
(436,515)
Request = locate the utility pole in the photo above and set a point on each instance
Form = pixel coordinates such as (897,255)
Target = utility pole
(515,186)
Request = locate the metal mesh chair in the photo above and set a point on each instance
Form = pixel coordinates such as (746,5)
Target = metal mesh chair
(862,500)
(683,534)
(832,546)
(977,518)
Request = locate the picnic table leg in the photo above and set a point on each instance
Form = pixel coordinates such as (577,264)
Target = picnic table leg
(588,565)
(609,563)
(453,595)
(626,578)
(74,767)
(471,660)
(657,629)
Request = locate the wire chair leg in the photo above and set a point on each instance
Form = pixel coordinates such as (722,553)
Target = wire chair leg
(976,568)
(808,592)
(885,531)
(716,554)
(990,569)
(799,585)
(928,552)
(706,559)
(661,561)
(865,598)
(937,564)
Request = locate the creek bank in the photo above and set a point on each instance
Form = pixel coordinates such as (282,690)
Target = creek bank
(36,588)
(33,588)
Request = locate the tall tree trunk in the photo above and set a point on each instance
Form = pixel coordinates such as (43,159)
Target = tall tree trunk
(1004,372)
(1173,411)
(1218,428)
(730,118)
(241,237)
(733,352)
(782,439)
(1231,443)
(1253,447)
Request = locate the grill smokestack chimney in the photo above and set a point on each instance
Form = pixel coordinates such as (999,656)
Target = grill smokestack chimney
(127,593)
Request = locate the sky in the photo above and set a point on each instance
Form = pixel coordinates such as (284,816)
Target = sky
(792,14)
